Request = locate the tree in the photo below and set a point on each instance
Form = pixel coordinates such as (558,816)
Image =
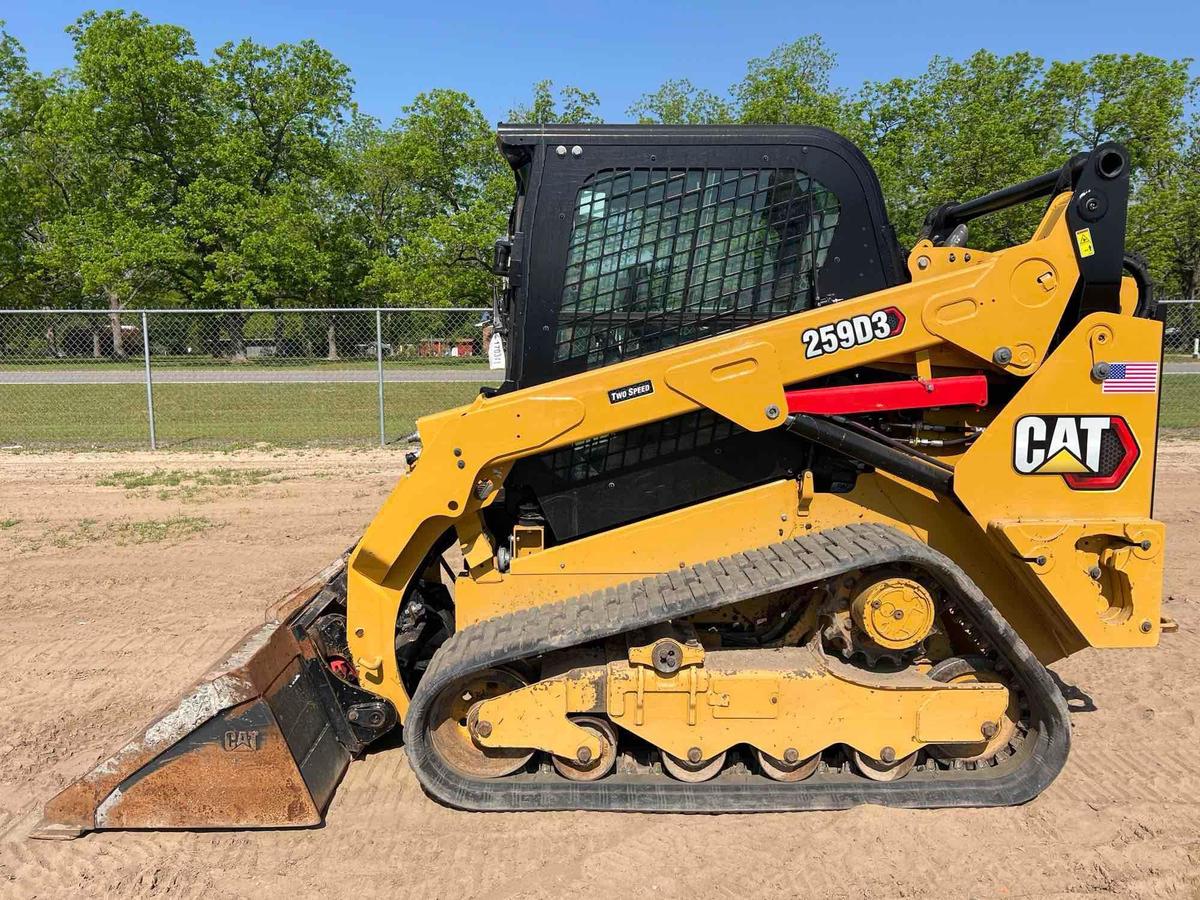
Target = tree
(120,144)
(148,96)
(1164,223)
(960,129)
(1141,101)
(22,187)
(1136,99)
(254,216)
(792,85)
(434,195)
(577,106)
(679,102)
(26,198)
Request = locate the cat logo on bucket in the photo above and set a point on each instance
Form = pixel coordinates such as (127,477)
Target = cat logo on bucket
(242,740)
(1091,453)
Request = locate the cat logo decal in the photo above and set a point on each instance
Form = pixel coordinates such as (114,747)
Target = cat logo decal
(1091,453)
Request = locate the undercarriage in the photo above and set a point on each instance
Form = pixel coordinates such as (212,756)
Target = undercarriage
(623,699)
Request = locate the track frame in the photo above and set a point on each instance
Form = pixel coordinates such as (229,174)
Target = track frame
(642,603)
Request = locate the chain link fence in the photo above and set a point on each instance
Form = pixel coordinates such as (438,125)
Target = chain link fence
(1180,407)
(230,378)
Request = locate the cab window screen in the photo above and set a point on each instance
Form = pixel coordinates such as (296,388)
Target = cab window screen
(660,257)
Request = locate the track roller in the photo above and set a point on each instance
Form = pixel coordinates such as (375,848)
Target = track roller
(782,770)
(591,769)
(693,772)
(879,770)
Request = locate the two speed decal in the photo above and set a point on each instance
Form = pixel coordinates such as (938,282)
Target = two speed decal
(853,331)
(629,391)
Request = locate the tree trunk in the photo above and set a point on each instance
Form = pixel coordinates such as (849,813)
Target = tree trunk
(235,324)
(278,334)
(114,320)
(331,339)
(97,349)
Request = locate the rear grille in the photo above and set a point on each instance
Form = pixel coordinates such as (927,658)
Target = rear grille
(613,453)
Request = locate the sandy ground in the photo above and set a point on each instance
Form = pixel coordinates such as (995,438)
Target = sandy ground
(116,596)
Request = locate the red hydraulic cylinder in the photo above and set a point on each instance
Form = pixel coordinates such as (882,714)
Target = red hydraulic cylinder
(849,399)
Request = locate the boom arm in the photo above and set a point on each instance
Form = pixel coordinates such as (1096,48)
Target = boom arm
(1002,308)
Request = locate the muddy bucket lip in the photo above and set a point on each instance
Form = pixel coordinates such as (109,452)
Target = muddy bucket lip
(242,676)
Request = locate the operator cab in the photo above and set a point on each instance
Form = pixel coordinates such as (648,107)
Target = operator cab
(625,240)
(651,236)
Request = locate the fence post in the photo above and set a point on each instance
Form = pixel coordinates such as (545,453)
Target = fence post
(379,367)
(149,382)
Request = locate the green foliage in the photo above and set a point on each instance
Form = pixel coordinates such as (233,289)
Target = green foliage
(147,175)
(792,86)
(1166,221)
(968,126)
(679,102)
(431,193)
(28,194)
(577,106)
(959,129)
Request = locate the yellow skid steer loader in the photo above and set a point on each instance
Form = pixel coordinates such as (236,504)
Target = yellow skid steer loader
(766,515)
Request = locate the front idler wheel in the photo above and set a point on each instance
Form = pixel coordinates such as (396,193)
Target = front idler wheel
(455,715)
(994,736)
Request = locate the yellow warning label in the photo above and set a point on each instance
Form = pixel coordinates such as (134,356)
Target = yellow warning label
(1083,237)
(1063,462)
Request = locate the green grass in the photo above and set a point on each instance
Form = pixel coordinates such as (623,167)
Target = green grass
(122,532)
(229,416)
(153,531)
(1180,402)
(184,484)
(219,477)
(224,416)
(82,532)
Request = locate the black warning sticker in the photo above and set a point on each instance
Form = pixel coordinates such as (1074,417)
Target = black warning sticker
(641,389)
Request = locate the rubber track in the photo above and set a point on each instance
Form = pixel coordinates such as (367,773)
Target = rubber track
(803,560)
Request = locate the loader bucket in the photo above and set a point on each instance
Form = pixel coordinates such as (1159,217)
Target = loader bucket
(261,740)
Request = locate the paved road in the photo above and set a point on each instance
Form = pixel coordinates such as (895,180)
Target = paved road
(1188,367)
(245,376)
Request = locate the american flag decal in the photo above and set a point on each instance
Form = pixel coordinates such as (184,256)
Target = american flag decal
(1131,378)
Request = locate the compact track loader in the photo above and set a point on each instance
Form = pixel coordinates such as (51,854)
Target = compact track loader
(766,514)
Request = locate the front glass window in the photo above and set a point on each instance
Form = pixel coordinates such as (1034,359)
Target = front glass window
(660,257)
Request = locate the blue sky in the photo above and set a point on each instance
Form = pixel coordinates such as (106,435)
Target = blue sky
(495,51)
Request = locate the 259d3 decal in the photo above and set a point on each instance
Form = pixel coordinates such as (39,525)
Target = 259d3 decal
(1091,453)
(853,331)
